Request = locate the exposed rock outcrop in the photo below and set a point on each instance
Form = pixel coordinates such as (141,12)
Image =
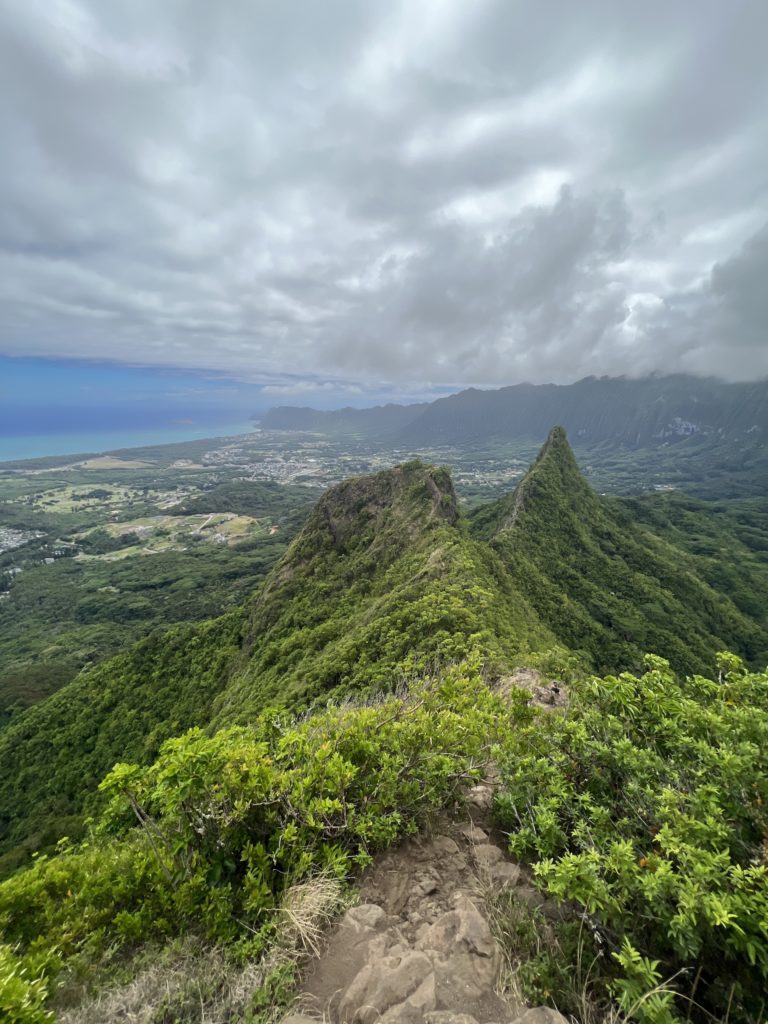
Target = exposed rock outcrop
(419,949)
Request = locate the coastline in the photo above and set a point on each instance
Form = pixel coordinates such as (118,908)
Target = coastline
(15,449)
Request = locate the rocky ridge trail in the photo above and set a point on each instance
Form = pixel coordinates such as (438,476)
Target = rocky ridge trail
(418,949)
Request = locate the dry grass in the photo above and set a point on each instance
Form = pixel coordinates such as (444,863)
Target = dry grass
(525,935)
(306,911)
(197,984)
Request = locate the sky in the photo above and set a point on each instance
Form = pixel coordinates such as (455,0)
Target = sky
(347,202)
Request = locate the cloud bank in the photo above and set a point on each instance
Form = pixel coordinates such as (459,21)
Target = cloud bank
(398,196)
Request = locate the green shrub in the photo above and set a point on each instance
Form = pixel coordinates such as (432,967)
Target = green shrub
(644,806)
(21,998)
(210,837)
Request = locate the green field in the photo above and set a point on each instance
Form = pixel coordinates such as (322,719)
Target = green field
(95,555)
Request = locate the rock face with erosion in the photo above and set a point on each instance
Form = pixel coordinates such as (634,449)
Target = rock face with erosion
(418,949)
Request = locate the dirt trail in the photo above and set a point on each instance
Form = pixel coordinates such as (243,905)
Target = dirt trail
(418,948)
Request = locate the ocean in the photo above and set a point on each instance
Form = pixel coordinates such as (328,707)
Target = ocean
(39,445)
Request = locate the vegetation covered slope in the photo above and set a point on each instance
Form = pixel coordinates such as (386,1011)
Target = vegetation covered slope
(603,585)
(729,540)
(235,827)
(383,581)
(53,756)
(386,580)
(644,807)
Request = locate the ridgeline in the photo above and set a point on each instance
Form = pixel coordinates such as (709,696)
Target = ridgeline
(235,768)
(386,580)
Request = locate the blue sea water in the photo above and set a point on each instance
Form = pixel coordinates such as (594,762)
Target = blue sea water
(35,446)
(67,407)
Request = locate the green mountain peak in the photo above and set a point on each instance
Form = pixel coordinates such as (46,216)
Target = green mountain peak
(605,586)
(556,439)
(554,478)
(386,581)
(383,580)
(386,511)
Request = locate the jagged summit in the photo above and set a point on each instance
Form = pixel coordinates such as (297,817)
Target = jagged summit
(604,585)
(385,509)
(380,581)
(557,446)
(552,479)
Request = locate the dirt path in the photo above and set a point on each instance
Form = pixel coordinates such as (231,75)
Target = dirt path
(418,949)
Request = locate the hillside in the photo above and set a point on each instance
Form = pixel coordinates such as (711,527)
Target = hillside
(604,585)
(386,580)
(54,754)
(216,870)
(383,581)
(262,773)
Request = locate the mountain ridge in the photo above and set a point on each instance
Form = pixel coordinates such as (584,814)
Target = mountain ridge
(605,585)
(386,581)
(629,412)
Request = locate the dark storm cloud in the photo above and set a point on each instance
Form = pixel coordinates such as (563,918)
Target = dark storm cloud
(436,193)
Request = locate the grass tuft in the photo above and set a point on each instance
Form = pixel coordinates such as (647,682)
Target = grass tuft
(197,983)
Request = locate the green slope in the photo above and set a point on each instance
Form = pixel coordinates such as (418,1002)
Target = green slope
(54,755)
(603,584)
(728,538)
(383,582)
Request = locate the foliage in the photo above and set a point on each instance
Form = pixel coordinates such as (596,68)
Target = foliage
(382,583)
(53,756)
(644,806)
(386,580)
(729,540)
(214,833)
(603,585)
(22,998)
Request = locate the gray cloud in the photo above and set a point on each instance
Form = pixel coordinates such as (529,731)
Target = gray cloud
(398,196)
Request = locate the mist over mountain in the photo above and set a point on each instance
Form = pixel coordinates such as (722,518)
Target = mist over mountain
(618,411)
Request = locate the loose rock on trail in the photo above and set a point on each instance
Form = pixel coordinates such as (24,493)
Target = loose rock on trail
(418,948)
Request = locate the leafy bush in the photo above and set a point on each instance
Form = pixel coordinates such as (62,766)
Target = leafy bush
(21,998)
(211,836)
(644,806)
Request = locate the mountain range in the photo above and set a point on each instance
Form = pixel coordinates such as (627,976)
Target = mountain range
(388,579)
(639,413)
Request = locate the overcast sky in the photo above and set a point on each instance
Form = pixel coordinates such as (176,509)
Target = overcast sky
(340,198)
